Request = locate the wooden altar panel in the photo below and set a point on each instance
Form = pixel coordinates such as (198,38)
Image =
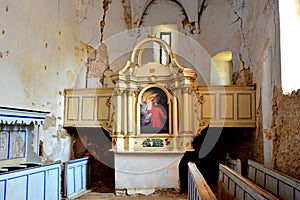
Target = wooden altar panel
(226,103)
(72,108)
(227,106)
(244,112)
(209,110)
(87,107)
(103,109)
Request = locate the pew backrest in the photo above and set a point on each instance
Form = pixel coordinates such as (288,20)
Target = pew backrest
(275,182)
(236,165)
(232,185)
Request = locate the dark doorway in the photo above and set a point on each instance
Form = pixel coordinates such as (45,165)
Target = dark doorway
(96,142)
(234,141)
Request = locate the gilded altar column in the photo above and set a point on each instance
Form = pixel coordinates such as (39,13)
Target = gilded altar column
(175,116)
(124,113)
(185,111)
(118,124)
(129,113)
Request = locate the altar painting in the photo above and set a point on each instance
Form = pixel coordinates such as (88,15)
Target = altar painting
(154,111)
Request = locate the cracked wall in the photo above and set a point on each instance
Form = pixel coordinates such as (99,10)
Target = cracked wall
(286,132)
(74,48)
(250,30)
(38,60)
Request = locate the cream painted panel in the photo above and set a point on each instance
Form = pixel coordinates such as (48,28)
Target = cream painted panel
(103,109)
(226,106)
(73,108)
(244,104)
(88,105)
(209,106)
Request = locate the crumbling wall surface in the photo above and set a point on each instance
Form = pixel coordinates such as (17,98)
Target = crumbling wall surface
(286,132)
(250,30)
(256,152)
(43,46)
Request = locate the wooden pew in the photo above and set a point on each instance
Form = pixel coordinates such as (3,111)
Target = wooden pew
(77,174)
(275,182)
(236,165)
(198,188)
(34,183)
(232,185)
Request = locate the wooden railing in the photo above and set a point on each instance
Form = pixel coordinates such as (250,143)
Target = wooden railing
(227,106)
(34,183)
(222,106)
(77,176)
(87,107)
(198,188)
(234,186)
(277,183)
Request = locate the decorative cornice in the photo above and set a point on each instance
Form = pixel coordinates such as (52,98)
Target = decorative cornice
(12,116)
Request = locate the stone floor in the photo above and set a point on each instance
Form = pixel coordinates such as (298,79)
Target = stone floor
(165,194)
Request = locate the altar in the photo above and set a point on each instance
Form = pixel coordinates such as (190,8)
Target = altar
(152,113)
(155,121)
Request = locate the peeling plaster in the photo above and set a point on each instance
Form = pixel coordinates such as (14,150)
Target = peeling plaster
(285,132)
(102,23)
(50,121)
(97,62)
(127,13)
(81,10)
(244,76)
(268,134)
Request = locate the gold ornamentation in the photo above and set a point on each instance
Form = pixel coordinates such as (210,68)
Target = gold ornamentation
(200,97)
(202,125)
(107,126)
(187,90)
(130,92)
(108,102)
(153,79)
(119,92)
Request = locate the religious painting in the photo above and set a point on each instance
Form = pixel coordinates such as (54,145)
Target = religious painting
(17,144)
(4,138)
(154,111)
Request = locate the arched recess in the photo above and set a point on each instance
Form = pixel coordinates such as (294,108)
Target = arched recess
(190,9)
(165,17)
(159,12)
(221,69)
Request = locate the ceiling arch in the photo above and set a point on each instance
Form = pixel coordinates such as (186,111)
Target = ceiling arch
(190,8)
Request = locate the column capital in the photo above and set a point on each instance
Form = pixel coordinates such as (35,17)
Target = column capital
(118,92)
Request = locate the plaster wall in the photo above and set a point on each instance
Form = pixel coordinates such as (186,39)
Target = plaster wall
(46,48)
(38,60)
(250,30)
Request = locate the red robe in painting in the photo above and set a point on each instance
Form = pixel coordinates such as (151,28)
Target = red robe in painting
(157,116)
